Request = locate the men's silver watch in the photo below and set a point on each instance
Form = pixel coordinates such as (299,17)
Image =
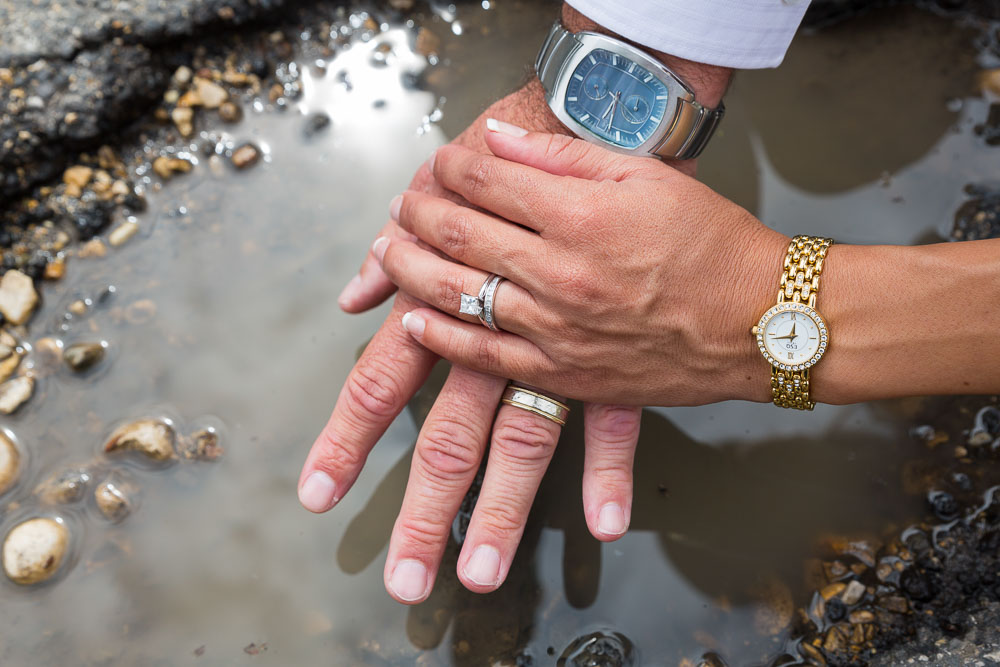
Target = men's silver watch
(611,93)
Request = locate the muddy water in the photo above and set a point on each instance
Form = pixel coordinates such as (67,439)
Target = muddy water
(864,134)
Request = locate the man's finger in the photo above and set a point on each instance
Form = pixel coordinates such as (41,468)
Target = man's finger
(611,433)
(371,286)
(522,447)
(390,371)
(445,460)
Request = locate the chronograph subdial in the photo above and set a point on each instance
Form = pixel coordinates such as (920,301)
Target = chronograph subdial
(635,109)
(595,87)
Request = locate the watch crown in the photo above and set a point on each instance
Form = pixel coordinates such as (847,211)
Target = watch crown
(754,330)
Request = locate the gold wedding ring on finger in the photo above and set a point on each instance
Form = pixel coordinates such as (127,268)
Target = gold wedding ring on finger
(482,306)
(532,401)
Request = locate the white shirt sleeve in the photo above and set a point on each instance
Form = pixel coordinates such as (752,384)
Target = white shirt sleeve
(742,34)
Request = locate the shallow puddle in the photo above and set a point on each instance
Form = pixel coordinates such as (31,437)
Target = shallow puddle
(224,313)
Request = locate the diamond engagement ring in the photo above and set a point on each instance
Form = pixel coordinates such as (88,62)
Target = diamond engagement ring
(482,306)
(532,401)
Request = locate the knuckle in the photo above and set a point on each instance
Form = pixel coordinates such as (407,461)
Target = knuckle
(449,290)
(374,392)
(487,352)
(334,453)
(480,177)
(615,426)
(524,438)
(502,520)
(451,449)
(422,533)
(456,230)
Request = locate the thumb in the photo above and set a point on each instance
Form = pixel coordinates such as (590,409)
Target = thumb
(562,155)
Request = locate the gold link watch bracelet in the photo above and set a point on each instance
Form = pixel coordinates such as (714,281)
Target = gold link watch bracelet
(792,335)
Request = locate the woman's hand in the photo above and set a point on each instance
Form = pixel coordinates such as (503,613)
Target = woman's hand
(639,288)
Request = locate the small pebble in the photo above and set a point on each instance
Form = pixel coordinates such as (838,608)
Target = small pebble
(15,392)
(123,232)
(81,357)
(114,499)
(245,156)
(201,445)
(9,364)
(64,487)
(18,297)
(853,593)
(230,112)
(166,167)
(151,437)
(212,95)
(34,549)
(92,248)
(10,463)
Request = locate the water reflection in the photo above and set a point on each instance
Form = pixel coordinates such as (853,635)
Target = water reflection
(243,269)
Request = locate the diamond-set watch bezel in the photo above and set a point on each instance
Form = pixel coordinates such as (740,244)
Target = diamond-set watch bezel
(810,312)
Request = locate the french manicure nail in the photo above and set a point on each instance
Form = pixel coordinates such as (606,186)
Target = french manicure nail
(611,520)
(409,580)
(394,206)
(494,125)
(414,324)
(483,567)
(350,292)
(317,493)
(378,248)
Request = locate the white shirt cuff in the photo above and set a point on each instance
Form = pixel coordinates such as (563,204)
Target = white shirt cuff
(742,34)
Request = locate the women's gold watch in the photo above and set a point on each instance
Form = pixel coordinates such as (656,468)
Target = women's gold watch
(793,336)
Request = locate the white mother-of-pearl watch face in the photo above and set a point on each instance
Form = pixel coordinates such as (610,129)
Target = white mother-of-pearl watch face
(792,336)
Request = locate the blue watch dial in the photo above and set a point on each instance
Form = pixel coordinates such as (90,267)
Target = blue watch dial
(616,99)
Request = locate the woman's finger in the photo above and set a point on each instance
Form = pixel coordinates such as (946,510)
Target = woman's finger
(441,283)
(371,286)
(611,433)
(522,447)
(447,455)
(474,346)
(521,194)
(563,155)
(469,236)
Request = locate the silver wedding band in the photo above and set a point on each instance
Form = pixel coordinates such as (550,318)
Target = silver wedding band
(533,401)
(482,306)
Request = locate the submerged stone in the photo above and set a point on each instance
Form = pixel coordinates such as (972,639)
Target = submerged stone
(10,463)
(82,357)
(34,550)
(15,392)
(115,498)
(18,297)
(245,156)
(64,487)
(152,438)
(202,445)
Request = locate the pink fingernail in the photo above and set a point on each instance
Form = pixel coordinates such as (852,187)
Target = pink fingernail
(350,292)
(409,580)
(431,159)
(611,520)
(394,206)
(483,567)
(494,125)
(414,324)
(378,248)
(317,493)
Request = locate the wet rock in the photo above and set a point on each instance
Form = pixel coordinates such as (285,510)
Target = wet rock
(34,549)
(183,120)
(92,248)
(116,498)
(979,217)
(82,357)
(316,123)
(56,269)
(230,112)
(10,463)
(13,393)
(18,297)
(166,167)
(599,649)
(916,584)
(989,81)
(76,178)
(64,487)
(9,364)
(835,610)
(202,445)
(245,156)
(853,593)
(210,94)
(944,505)
(123,232)
(152,438)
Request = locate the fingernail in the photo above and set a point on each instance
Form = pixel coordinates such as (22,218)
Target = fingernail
(431,159)
(414,324)
(409,580)
(494,125)
(350,292)
(483,567)
(378,248)
(394,206)
(611,520)
(317,494)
